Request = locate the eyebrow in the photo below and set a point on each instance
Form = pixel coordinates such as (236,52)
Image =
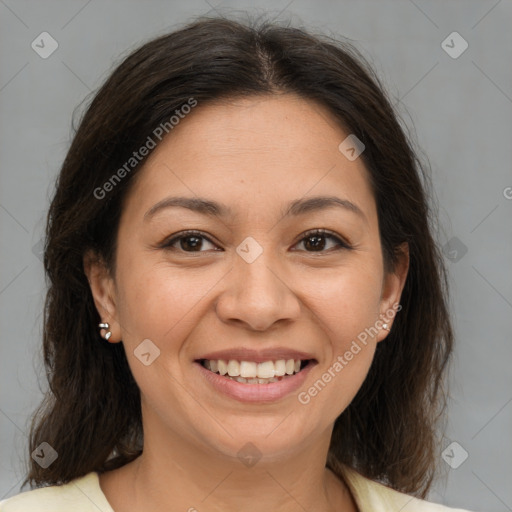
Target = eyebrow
(294,208)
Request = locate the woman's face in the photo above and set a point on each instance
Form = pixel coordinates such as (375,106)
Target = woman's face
(253,281)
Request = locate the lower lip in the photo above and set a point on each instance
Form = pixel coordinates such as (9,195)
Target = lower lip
(255,393)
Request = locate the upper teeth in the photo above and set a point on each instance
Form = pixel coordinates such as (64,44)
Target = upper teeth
(250,369)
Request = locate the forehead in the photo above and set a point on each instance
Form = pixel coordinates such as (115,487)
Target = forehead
(250,152)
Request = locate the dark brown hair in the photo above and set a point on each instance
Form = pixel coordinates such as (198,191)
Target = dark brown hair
(91,414)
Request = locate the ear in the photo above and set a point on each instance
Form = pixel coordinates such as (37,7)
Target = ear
(103,292)
(392,288)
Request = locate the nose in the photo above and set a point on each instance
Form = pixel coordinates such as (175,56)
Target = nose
(257,295)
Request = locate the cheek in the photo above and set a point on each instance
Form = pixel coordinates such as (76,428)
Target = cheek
(346,304)
(162,303)
(159,304)
(345,299)
(336,384)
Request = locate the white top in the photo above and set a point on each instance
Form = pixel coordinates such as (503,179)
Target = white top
(84,494)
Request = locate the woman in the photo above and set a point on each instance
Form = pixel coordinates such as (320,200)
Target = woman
(247,309)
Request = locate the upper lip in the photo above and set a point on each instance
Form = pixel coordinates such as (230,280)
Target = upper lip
(257,356)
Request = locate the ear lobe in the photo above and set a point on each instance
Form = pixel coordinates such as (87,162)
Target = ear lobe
(392,288)
(103,292)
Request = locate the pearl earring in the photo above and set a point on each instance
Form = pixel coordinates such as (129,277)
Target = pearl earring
(106,327)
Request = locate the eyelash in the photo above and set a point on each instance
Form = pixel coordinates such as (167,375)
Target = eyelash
(318,232)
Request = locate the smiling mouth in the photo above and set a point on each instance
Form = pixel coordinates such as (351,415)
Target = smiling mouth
(249,372)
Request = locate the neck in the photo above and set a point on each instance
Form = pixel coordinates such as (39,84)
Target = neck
(174,474)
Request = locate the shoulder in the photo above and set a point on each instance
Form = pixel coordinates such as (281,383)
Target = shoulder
(373,496)
(80,495)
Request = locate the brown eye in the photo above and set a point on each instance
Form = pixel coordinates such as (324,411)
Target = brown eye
(316,241)
(190,241)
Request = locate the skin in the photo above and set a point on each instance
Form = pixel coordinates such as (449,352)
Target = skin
(254,155)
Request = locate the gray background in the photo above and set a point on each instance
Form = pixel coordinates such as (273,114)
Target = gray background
(460,109)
